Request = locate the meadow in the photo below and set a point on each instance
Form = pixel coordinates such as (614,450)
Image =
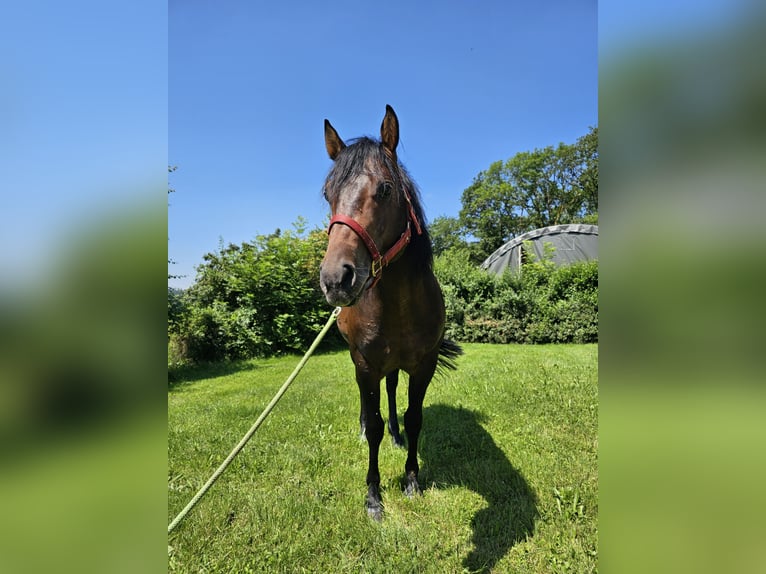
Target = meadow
(508,458)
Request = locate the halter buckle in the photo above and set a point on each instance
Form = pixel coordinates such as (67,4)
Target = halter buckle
(376,267)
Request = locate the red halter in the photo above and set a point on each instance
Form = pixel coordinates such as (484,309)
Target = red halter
(380,261)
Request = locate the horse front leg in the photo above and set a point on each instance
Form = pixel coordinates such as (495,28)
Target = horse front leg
(362,416)
(392,381)
(369,391)
(413,422)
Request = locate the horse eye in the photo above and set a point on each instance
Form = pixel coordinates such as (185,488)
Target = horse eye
(384,189)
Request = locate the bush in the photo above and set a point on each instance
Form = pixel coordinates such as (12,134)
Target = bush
(262,298)
(544,304)
(256,299)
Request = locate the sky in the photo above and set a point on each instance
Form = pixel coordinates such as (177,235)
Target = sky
(83,123)
(99,97)
(250,83)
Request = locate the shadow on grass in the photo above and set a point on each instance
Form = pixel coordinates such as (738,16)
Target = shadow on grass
(179,375)
(458,451)
(184,373)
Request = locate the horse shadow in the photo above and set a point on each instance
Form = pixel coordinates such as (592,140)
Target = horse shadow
(458,451)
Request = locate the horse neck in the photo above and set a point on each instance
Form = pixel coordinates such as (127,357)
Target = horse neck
(403,274)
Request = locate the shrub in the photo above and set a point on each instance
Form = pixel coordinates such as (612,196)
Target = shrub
(262,298)
(544,304)
(256,299)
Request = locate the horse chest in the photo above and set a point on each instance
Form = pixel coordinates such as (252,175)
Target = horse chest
(394,328)
(385,350)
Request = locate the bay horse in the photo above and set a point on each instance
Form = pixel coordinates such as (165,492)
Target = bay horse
(378,268)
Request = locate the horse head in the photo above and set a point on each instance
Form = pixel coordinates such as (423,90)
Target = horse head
(372,217)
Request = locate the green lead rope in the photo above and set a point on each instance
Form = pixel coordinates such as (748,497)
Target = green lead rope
(251,432)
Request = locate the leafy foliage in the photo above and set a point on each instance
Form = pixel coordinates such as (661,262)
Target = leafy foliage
(445,234)
(262,298)
(548,186)
(176,309)
(256,299)
(543,304)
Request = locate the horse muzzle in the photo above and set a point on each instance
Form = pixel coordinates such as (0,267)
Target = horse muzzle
(341,283)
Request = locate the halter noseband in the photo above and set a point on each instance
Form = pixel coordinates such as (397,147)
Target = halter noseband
(380,261)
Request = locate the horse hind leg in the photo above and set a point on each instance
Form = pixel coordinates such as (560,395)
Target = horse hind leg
(392,381)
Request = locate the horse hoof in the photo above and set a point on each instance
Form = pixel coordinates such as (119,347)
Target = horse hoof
(375,512)
(398,441)
(413,488)
(374,503)
(413,491)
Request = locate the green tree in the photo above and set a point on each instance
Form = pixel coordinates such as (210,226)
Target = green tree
(446,233)
(548,186)
(587,156)
(489,210)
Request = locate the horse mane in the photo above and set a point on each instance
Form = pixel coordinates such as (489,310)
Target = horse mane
(351,162)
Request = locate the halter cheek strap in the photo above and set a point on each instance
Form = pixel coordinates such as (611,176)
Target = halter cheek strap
(380,261)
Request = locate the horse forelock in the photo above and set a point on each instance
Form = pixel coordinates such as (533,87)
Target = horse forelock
(353,161)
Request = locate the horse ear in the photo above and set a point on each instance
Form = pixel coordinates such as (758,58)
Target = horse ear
(332,141)
(389,131)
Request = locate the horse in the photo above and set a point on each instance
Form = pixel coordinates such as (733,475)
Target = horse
(392,320)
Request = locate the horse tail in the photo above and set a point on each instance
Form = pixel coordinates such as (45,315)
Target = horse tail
(448,352)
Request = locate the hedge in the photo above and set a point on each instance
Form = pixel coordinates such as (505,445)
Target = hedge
(262,298)
(544,304)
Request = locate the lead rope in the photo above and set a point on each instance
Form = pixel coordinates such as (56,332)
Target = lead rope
(251,432)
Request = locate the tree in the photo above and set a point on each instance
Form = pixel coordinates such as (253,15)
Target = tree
(587,156)
(446,233)
(489,208)
(548,186)
(171,169)
(258,298)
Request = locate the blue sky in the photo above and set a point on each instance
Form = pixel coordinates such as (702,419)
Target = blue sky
(98,97)
(250,84)
(83,122)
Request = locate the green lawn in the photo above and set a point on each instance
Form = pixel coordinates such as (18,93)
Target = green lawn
(508,467)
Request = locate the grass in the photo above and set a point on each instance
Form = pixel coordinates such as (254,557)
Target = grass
(507,455)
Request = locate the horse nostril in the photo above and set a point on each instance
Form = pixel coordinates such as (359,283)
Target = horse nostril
(347,280)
